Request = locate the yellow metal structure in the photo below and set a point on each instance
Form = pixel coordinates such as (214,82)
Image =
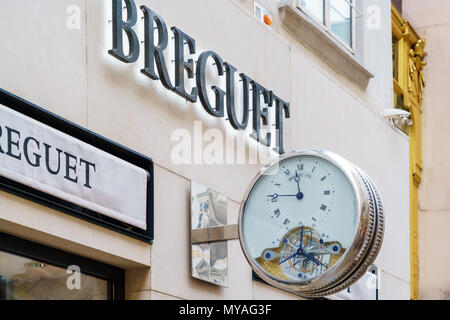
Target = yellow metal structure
(409,83)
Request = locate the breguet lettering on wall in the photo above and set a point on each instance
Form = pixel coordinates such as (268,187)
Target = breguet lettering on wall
(156,68)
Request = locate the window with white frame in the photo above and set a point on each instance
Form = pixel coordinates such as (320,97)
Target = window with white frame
(337,16)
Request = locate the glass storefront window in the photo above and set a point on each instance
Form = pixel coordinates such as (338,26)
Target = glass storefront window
(26,279)
(32,271)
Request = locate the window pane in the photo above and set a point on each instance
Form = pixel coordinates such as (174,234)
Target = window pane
(26,279)
(395,57)
(314,9)
(398,4)
(340,21)
(258,12)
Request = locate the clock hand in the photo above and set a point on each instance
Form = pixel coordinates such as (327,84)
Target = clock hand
(289,258)
(300,248)
(301,251)
(276,196)
(314,260)
(307,256)
(298,252)
(297,179)
(301,239)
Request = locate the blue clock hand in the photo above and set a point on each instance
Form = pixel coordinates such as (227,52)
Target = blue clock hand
(296,253)
(307,256)
(301,239)
(297,179)
(314,260)
(275,195)
(300,250)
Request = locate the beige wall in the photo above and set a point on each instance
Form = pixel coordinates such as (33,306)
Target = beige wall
(70,73)
(431,19)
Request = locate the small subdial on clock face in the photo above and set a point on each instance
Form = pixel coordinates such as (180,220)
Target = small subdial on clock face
(302,255)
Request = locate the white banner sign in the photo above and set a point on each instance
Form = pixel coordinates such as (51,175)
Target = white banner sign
(53,162)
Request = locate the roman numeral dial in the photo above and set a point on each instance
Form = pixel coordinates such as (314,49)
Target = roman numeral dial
(302,192)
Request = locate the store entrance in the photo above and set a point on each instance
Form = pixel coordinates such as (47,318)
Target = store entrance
(30,271)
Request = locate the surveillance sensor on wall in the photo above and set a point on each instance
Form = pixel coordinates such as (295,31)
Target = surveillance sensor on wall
(398,116)
(391,114)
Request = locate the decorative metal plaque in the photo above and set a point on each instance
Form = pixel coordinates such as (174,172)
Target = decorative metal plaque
(209,255)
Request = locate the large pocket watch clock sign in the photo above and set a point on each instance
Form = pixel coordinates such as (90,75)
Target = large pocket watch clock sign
(311,223)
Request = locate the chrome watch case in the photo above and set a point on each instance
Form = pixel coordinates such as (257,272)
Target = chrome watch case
(367,238)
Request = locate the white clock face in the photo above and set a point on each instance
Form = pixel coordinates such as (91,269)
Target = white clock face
(299,219)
